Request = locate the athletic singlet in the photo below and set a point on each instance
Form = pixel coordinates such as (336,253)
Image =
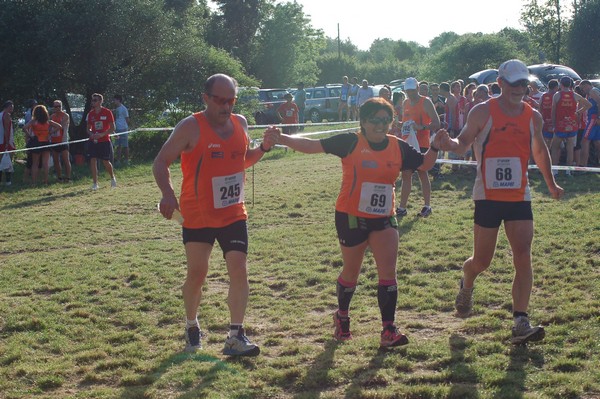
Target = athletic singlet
(212,192)
(593,111)
(566,120)
(57,137)
(368,179)
(503,149)
(41,131)
(546,111)
(417,114)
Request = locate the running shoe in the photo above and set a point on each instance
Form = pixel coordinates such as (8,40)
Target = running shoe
(113,182)
(426,211)
(342,327)
(391,336)
(240,345)
(401,212)
(464,300)
(95,187)
(193,339)
(522,332)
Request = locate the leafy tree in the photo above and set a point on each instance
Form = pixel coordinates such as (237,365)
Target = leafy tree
(345,47)
(585,51)
(288,47)
(543,21)
(469,54)
(235,28)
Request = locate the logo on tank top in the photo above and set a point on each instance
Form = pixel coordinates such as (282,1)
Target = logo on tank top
(217,154)
(211,145)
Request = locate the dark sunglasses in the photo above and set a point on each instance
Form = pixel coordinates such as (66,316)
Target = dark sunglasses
(222,100)
(521,83)
(380,121)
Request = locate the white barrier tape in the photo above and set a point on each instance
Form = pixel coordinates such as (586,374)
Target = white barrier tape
(62,143)
(554,167)
(302,124)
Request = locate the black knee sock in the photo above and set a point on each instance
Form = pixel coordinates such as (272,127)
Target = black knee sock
(520,314)
(387,297)
(345,291)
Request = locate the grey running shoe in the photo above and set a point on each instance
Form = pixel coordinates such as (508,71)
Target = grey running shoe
(400,212)
(240,345)
(426,211)
(464,301)
(522,332)
(193,339)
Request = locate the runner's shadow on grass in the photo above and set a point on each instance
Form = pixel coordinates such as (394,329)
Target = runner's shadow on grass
(462,376)
(513,384)
(44,199)
(317,377)
(139,388)
(368,377)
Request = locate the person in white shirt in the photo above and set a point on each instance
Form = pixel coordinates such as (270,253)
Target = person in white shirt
(122,125)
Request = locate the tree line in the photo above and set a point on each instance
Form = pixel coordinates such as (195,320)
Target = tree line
(157,50)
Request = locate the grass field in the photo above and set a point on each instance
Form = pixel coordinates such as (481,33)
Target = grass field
(90,303)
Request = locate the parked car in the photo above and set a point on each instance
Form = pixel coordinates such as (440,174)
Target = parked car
(543,72)
(322,103)
(270,100)
(595,82)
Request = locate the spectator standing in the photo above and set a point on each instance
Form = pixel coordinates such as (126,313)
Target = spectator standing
(450,117)
(566,108)
(364,216)
(344,104)
(364,93)
(352,96)
(100,125)
(300,100)
(288,113)
(419,117)
(28,115)
(505,132)
(7,141)
(482,94)
(39,129)
(592,129)
(60,152)
(122,122)
(545,108)
(213,146)
(534,91)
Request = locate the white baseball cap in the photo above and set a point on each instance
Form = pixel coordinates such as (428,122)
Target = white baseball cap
(411,84)
(513,70)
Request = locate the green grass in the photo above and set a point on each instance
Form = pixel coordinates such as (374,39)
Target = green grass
(90,303)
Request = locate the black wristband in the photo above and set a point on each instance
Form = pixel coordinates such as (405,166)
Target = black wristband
(263,148)
(434,148)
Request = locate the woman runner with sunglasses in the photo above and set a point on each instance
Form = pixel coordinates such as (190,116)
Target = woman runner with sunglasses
(364,217)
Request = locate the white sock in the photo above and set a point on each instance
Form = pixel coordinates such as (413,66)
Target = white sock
(192,323)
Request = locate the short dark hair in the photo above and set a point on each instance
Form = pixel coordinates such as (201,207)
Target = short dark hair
(552,84)
(566,81)
(445,86)
(372,106)
(7,104)
(118,97)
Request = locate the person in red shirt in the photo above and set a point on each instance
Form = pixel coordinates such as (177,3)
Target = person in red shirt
(214,150)
(288,113)
(505,132)
(100,125)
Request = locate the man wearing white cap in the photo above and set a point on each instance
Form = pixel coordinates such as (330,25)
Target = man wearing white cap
(505,132)
(418,118)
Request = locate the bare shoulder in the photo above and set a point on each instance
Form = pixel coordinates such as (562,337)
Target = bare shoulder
(480,112)
(186,133)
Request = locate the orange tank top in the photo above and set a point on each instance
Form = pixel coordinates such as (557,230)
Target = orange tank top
(57,137)
(212,192)
(368,179)
(417,114)
(41,131)
(503,149)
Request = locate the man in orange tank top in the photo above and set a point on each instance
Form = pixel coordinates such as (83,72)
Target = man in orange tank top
(213,145)
(419,115)
(505,132)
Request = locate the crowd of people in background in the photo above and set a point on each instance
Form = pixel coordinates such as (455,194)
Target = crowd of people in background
(46,138)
